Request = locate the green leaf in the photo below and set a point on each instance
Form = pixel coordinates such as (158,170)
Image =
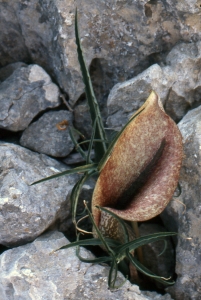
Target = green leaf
(113,274)
(98,260)
(89,242)
(91,141)
(164,249)
(94,260)
(142,241)
(100,149)
(82,169)
(77,145)
(146,271)
(76,193)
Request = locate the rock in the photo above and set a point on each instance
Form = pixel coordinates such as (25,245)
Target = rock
(50,134)
(186,218)
(24,94)
(7,71)
(159,262)
(178,85)
(27,211)
(155,296)
(76,158)
(125,98)
(120,39)
(184,62)
(83,119)
(36,271)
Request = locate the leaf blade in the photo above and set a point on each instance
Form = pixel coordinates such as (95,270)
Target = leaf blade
(81,169)
(92,102)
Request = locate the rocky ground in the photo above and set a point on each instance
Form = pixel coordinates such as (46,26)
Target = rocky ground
(130,47)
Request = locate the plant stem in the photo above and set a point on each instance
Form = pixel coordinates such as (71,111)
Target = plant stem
(134,225)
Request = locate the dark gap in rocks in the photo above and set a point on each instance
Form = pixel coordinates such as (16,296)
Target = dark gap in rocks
(153,2)
(3,249)
(103,80)
(10,136)
(147,11)
(80,99)
(157,58)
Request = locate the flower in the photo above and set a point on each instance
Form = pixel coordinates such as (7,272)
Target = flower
(140,175)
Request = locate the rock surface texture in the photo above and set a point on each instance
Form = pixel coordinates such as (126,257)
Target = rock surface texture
(130,48)
(27,211)
(26,92)
(178,83)
(122,37)
(50,134)
(186,219)
(36,272)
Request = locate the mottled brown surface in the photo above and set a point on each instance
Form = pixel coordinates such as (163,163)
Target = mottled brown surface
(135,150)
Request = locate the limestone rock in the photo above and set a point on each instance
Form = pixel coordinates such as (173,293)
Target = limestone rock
(178,85)
(125,98)
(83,119)
(123,37)
(36,272)
(50,134)
(186,219)
(28,91)
(76,158)
(7,71)
(184,62)
(27,211)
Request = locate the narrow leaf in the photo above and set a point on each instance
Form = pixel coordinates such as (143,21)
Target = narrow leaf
(113,274)
(98,260)
(82,169)
(91,141)
(77,145)
(76,193)
(100,149)
(147,272)
(89,242)
(143,241)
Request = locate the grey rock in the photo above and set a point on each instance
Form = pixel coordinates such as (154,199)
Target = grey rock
(155,296)
(36,271)
(186,218)
(50,134)
(183,72)
(83,119)
(157,260)
(125,98)
(178,85)
(7,71)
(27,211)
(119,38)
(24,94)
(76,158)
